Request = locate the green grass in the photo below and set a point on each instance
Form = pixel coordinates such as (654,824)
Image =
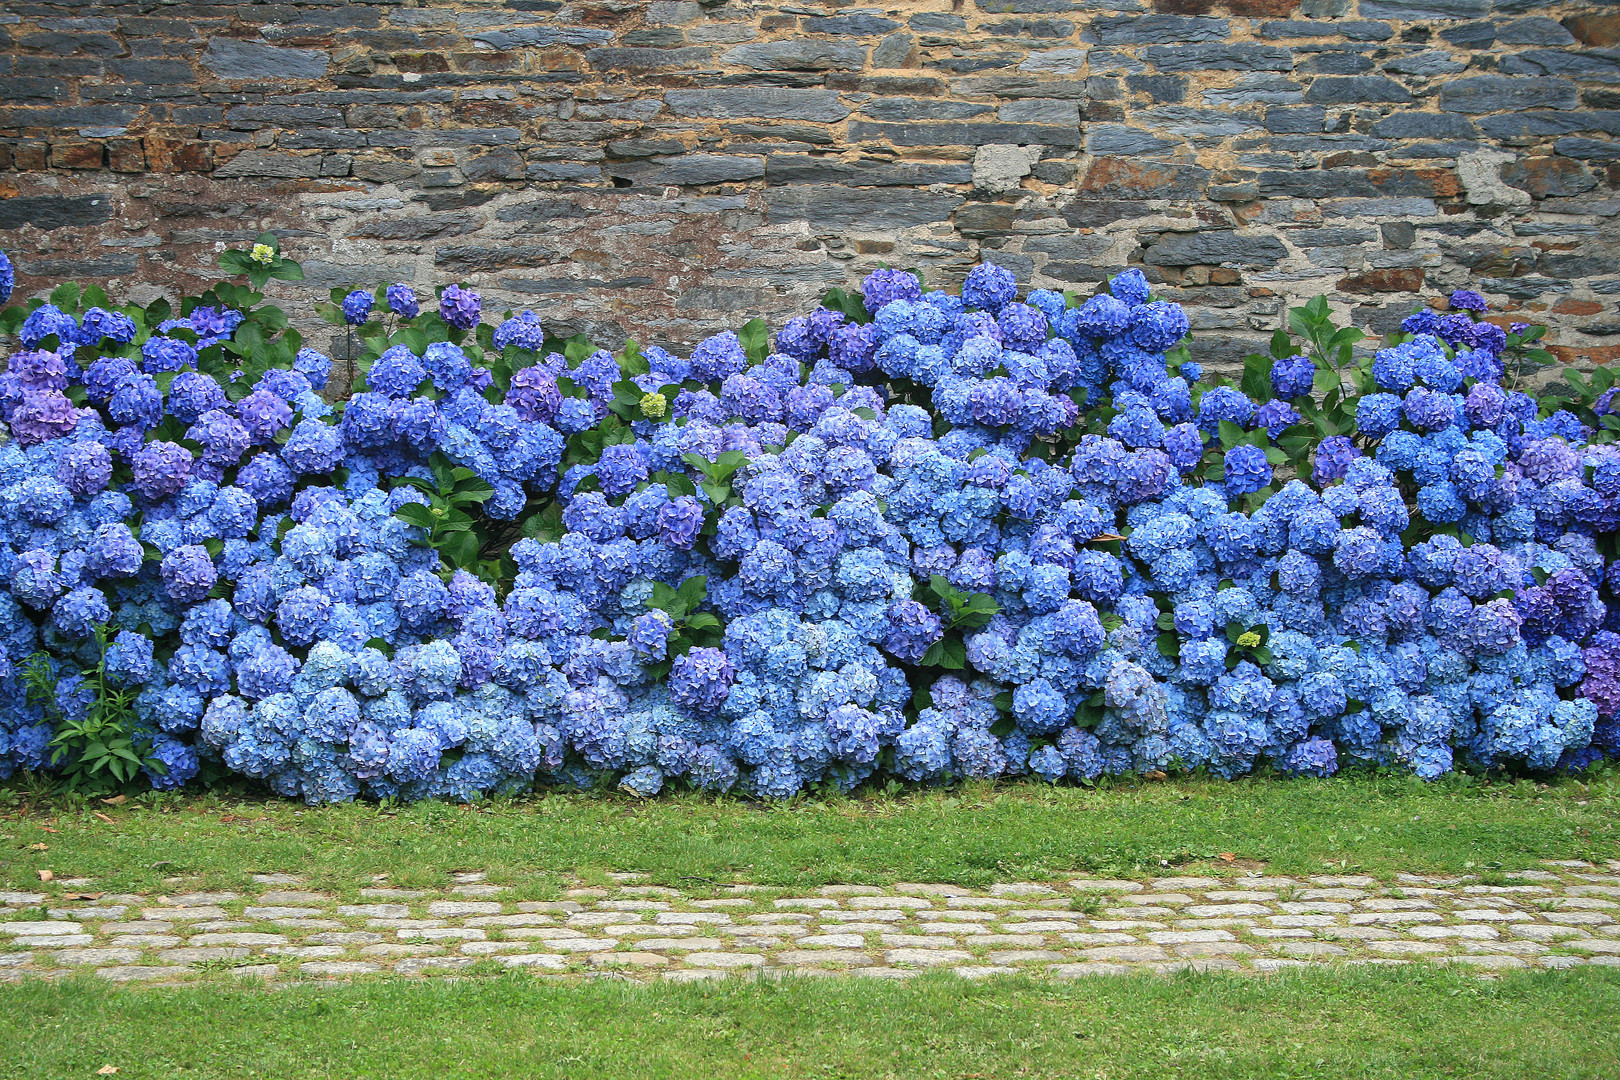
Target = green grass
(969,835)
(1397,1023)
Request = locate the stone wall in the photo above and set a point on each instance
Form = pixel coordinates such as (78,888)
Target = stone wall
(673,168)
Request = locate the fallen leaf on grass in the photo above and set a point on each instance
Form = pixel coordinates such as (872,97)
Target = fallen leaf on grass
(47,828)
(103,817)
(82,896)
(116,800)
(46,875)
(1154,775)
(39,847)
(107,1070)
(1227,856)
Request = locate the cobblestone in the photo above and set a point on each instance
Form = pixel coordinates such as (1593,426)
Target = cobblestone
(645,931)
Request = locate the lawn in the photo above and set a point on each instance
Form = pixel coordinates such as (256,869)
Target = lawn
(1403,1023)
(969,836)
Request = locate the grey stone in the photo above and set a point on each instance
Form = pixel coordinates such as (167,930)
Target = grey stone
(853,25)
(1537,30)
(1349,29)
(34,928)
(1601,67)
(198,956)
(1501,93)
(1356,89)
(230,58)
(51,212)
(777,103)
(1588,149)
(865,172)
(823,956)
(694,169)
(1155,29)
(1130,953)
(1428,64)
(1219,57)
(631,59)
(797,55)
(238,939)
(1186,937)
(452,908)
(1424,125)
(1478,35)
(904,108)
(893,51)
(1419,10)
(433,963)
(1335,62)
(1538,124)
(1215,248)
(876,210)
(1076,971)
(541,36)
(1040,111)
(350,967)
(964,134)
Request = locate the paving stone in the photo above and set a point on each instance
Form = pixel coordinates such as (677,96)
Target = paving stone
(976,903)
(868,903)
(1488,915)
(926,957)
(1357,933)
(389,948)
(1022,888)
(1157,899)
(492,948)
(693,918)
(982,971)
(1126,924)
(1239,896)
(823,956)
(1213,948)
(54,941)
(1315,907)
(1474,932)
(727,960)
(1309,948)
(1130,953)
(1077,971)
(375,911)
(1106,885)
(1578,918)
(40,929)
(348,937)
(393,894)
(1008,939)
(917,941)
(925,889)
(1183,937)
(521,919)
(1394,918)
(238,939)
(632,905)
(580,945)
(1269,933)
(1331,894)
(443,933)
(733,903)
(1353,880)
(536,960)
(1593,945)
(809,903)
(308,924)
(546,932)
(878,916)
(1211,964)
(1401,948)
(836,941)
(1385,904)
(850,890)
(1270,964)
(306,952)
(1024,956)
(347,967)
(135,973)
(1098,939)
(277,879)
(145,941)
(200,956)
(971,928)
(628,959)
(97,956)
(453,908)
(1486,960)
(404,924)
(279,912)
(286,896)
(426,964)
(24,898)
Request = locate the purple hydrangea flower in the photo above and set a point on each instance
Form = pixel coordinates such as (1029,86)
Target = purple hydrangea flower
(459,307)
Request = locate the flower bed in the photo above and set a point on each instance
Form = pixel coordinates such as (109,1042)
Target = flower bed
(927,536)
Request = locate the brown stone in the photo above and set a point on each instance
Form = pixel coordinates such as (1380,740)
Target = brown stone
(1585,354)
(1596,30)
(1223,275)
(1123,178)
(76,155)
(125,155)
(29,156)
(421,63)
(1577,307)
(1544,176)
(1255,9)
(173,155)
(1399,279)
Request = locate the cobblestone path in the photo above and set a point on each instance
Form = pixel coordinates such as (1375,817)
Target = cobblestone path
(1564,915)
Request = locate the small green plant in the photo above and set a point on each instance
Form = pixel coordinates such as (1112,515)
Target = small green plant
(453,527)
(691,628)
(1088,902)
(103,750)
(961,612)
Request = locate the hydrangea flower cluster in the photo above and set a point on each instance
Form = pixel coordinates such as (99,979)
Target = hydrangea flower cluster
(1435,590)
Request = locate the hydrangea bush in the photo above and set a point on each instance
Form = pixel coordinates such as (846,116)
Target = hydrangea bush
(926,535)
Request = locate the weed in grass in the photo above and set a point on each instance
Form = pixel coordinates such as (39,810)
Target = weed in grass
(1089,902)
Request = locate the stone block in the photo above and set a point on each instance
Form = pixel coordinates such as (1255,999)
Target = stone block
(242,61)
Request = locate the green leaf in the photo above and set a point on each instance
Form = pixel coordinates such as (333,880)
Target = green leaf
(460,549)
(702,620)
(1169,646)
(755,340)
(1231,434)
(416,514)
(66,297)
(717,493)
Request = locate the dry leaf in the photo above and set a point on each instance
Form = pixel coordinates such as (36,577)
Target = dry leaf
(1100,537)
(47,828)
(107,1070)
(1226,856)
(45,875)
(116,800)
(39,847)
(1154,775)
(82,896)
(103,817)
